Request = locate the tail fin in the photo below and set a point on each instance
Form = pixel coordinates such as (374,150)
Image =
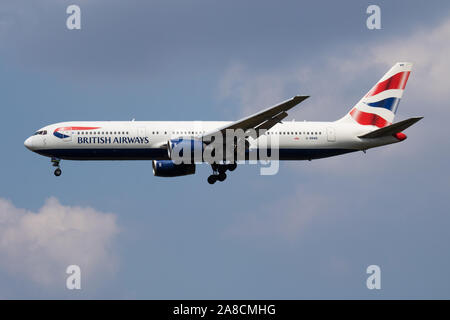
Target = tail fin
(379,105)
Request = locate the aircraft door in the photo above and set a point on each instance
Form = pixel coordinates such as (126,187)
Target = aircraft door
(141,133)
(331,134)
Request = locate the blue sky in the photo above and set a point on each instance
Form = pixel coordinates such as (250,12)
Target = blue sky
(308,232)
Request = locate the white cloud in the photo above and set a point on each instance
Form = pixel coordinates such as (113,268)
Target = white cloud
(429,51)
(40,245)
(330,79)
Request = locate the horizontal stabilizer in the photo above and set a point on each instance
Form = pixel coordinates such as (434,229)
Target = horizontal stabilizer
(391,129)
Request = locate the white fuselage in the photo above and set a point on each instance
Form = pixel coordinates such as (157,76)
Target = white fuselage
(147,140)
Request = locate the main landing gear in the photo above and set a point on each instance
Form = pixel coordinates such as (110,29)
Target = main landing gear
(55,163)
(219,172)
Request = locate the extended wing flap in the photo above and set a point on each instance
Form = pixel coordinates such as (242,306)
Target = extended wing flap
(273,121)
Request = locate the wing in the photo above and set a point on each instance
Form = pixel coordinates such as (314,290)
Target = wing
(265,119)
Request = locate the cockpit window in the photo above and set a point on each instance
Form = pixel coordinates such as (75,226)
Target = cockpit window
(41,132)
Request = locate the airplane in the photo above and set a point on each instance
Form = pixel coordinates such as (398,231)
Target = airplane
(368,124)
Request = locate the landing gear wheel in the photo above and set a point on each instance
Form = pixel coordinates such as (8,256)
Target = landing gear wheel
(212,179)
(222,176)
(222,169)
(232,166)
(58,172)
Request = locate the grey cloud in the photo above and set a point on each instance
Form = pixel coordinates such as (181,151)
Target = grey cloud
(151,39)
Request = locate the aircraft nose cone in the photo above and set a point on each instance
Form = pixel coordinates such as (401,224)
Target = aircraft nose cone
(29,143)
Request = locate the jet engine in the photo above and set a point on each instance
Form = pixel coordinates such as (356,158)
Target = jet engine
(177,148)
(167,168)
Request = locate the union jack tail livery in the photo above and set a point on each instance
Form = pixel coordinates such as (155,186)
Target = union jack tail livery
(379,105)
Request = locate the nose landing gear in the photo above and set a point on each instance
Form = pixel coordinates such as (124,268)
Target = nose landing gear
(55,163)
(57,172)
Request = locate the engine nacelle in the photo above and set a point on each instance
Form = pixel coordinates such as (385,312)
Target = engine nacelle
(178,148)
(166,168)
